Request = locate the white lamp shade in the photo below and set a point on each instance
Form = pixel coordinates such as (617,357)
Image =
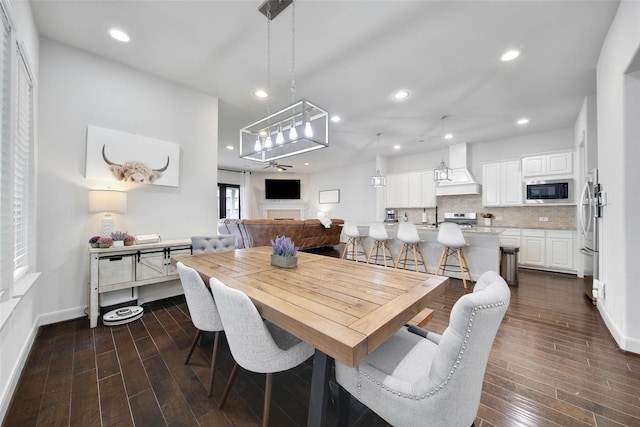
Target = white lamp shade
(107,201)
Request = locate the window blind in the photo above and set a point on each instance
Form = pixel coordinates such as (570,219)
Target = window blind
(23,173)
(6,211)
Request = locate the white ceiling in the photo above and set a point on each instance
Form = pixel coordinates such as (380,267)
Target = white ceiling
(350,58)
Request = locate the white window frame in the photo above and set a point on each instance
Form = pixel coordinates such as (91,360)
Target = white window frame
(17,180)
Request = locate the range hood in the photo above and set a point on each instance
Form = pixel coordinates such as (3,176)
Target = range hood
(462,181)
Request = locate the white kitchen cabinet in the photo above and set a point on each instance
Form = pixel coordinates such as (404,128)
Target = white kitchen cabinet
(410,190)
(547,249)
(559,246)
(532,251)
(414,182)
(428,190)
(510,237)
(397,190)
(502,184)
(554,164)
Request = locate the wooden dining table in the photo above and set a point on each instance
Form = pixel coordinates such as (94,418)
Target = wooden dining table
(344,309)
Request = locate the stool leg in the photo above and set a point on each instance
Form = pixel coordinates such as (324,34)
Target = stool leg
(384,253)
(426,269)
(460,264)
(374,245)
(463,260)
(443,259)
(346,248)
(364,251)
(402,249)
(415,258)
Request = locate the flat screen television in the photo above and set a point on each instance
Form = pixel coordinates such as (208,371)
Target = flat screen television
(281,189)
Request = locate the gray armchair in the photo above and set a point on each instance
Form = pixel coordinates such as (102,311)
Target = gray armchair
(411,380)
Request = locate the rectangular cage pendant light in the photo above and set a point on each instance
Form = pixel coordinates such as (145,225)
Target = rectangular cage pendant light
(296,129)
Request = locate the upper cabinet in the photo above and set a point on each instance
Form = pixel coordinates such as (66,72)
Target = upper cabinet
(501,184)
(555,164)
(411,190)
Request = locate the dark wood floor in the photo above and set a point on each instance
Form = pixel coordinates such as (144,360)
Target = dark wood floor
(553,363)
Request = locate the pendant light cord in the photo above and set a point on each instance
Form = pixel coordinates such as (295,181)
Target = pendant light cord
(444,116)
(269,60)
(293,51)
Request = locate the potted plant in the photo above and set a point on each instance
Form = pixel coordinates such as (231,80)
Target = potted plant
(129,240)
(487,219)
(105,242)
(284,252)
(118,238)
(94,241)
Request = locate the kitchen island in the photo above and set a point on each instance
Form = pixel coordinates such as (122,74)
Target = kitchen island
(482,252)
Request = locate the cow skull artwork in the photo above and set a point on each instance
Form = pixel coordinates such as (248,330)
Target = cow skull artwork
(134,171)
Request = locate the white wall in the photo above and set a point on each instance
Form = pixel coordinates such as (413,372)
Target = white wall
(618,153)
(77,89)
(357,197)
(19,329)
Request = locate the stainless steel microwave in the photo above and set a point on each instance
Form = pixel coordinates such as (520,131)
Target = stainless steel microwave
(550,191)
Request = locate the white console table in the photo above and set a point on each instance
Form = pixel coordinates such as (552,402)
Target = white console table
(131,266)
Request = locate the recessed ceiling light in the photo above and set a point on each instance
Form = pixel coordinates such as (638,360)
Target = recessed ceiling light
(230,147)
(401,94)
(261,93)
(523,121)
(396,147)
(119,35)
(510,55)
(306,163)
(335,118)
(448,136)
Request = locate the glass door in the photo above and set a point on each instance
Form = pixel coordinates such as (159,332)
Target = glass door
(229,200)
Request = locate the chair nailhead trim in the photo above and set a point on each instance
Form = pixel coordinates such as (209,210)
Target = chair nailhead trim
(361,373)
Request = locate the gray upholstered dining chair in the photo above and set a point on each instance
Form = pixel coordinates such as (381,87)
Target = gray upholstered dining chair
(435,380)
(203,311)
(219,243)
(256,344)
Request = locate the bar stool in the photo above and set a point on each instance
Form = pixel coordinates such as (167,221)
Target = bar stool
(450,236)
(408,235)
(350,229)
(379,241)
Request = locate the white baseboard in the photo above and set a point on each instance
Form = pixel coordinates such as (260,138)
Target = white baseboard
(12,384)
(61,316)
(624,342)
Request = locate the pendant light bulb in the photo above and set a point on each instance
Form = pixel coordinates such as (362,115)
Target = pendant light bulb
(258,146)
(308,131)
(267,141)
(280,136)
(293,134)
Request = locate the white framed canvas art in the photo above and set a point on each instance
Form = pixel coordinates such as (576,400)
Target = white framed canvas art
(119,156)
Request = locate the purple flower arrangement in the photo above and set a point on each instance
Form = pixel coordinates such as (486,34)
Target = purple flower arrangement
(284,246)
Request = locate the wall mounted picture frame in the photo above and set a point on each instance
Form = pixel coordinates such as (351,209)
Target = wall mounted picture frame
(329,196)
(119,156)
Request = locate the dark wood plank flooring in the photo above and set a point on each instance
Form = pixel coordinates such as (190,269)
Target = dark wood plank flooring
(553,363)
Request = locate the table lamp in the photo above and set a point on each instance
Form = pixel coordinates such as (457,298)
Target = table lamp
(107,201)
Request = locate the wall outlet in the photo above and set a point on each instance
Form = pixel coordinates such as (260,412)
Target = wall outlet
(543,219)
(601,286)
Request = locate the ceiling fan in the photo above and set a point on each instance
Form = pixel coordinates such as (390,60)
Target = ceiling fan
(274,164)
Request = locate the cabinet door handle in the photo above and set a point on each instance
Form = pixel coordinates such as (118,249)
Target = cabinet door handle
(115,258)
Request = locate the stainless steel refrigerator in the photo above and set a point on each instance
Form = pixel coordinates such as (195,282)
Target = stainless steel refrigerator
(590,214)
